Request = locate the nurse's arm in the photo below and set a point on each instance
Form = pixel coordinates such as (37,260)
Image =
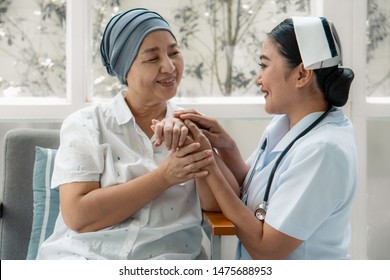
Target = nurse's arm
(260,239)
(207,199)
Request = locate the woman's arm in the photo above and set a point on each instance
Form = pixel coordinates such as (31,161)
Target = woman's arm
(260,239)
(86,206)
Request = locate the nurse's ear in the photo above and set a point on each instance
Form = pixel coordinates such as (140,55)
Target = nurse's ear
(304,76)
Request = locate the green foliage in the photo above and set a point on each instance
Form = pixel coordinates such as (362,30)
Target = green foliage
(378,31)
(41,70)
(4,4)
(39,55)
(378,26)
(299,5)
(234,28)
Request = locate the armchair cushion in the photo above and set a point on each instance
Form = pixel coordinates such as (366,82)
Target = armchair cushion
(45,200)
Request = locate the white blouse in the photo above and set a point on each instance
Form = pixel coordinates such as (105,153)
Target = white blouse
(104,143)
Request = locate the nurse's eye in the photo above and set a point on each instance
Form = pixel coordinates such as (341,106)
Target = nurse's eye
(262,65)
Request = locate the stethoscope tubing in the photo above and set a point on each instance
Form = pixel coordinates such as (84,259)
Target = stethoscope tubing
(278,160)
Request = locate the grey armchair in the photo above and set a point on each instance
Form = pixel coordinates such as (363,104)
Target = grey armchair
(16,192)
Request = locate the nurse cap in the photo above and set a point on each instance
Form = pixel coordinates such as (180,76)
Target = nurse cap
(318,42)
(123,37)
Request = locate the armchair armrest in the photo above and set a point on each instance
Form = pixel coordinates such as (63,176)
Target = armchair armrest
(216,225)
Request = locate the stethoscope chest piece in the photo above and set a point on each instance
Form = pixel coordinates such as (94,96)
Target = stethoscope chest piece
(261,211)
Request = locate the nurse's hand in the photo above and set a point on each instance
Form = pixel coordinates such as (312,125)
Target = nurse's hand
(210,127)
(196,135)
(171,131)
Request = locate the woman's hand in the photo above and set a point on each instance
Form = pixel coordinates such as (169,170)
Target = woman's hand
(185,163)
(171,131)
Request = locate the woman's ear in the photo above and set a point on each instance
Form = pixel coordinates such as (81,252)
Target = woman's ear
(304,76)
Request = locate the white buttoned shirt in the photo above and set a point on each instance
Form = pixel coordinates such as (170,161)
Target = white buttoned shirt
(104,143)
(313,188)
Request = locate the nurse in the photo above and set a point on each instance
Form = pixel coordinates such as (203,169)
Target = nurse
(298,187)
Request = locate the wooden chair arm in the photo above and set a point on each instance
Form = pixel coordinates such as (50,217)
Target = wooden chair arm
(215,223)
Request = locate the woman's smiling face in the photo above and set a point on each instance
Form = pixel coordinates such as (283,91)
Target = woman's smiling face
(276,79)
(158,67)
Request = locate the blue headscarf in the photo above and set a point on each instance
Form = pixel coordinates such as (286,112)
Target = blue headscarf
(123,37)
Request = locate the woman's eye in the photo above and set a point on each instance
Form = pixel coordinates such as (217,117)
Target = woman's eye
(174,53)
(153,59)
(262,65)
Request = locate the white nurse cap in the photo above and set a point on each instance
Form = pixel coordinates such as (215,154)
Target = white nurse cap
(318,42)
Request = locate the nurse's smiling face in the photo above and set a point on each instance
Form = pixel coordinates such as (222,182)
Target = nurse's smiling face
(277,80)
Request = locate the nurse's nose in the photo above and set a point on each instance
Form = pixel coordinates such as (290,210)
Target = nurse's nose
(258,80)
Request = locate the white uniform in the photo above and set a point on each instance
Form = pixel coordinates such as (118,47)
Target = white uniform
(103,143)
(313,188)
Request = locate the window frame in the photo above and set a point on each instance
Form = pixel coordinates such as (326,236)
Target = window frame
(79,83)
(56,109)
(350,19)
(78,78)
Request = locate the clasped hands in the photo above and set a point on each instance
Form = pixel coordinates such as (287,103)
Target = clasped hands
(191,151)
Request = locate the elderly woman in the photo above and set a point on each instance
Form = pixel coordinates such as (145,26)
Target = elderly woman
(122,197)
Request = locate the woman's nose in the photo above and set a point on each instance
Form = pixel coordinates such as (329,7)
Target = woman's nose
(167,65)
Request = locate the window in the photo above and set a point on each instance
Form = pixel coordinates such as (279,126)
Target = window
(370,113)
(33,75)
(77,41)
(378,128)
(32,48)
(378,50)
(67,69)
(220,41)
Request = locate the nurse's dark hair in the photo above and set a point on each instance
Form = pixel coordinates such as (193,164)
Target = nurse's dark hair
(334,82)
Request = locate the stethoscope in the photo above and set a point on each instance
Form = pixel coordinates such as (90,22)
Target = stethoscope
(261,209)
